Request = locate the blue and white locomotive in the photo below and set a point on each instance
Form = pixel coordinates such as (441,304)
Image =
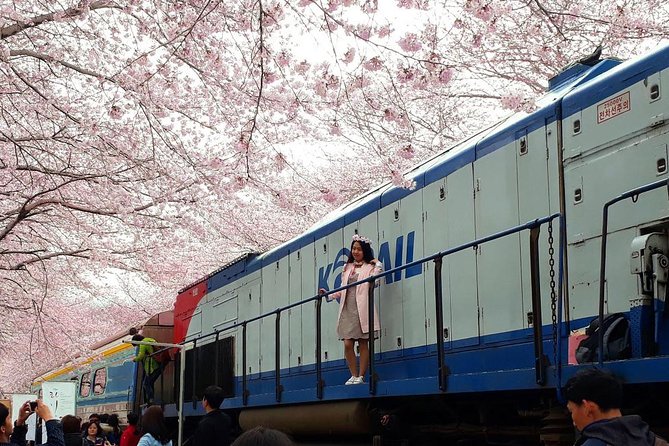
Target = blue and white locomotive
(478,335)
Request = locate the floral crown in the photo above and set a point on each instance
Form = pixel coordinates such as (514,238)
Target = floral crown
(360,238)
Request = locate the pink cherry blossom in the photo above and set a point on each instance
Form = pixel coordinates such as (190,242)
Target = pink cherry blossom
(330,197)
(384,31)
(445,75)
(349,55)
(406,152)
(373,64)
(410,43)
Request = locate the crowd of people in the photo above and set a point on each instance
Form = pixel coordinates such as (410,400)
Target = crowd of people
(594,400)
(99,430)
(214,429)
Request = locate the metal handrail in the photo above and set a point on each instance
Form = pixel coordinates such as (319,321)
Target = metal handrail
(437,258)
(634,195)
(443,370)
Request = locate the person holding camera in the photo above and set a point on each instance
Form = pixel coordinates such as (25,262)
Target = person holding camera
(14,434)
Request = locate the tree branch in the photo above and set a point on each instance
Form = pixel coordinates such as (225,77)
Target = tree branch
(40,258)
(75,11)
(47,58)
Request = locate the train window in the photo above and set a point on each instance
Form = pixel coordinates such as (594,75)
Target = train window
(99,381)
(654,92)
(214,364)
(298,255)
(523,146)
(661,166)
(397,214)
(85,385)
(325,247)
(577,126)
(578,196)
(442,193)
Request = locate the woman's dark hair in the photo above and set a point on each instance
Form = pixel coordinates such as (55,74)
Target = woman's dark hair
(99,433)
(4,413)
(261,436)
(153,422)
(367,252)
(71,424)
(113,423)
(133,418)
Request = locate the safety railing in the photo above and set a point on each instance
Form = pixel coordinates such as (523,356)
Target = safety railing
(443,371)
(634,195)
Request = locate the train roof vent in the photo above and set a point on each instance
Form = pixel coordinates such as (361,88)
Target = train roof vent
(576,70)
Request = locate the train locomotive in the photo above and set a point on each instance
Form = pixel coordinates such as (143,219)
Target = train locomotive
(108,381)
(496,264)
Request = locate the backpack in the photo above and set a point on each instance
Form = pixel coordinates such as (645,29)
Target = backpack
(617,345)
(163,356)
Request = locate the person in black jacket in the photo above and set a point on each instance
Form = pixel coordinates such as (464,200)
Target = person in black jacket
(594,398)
(214,428)
(15,433)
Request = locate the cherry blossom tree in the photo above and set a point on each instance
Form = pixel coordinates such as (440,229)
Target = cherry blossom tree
(145,143)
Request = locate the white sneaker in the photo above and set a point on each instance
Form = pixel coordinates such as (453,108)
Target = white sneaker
(358,380)
(351,380)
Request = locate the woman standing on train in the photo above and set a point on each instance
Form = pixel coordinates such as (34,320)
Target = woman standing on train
(353,319)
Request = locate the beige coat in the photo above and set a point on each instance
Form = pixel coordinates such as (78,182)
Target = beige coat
(361,293)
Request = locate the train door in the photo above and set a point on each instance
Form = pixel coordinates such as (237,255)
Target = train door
(435,239)
(249,306)
(536,156)
(410,248)
(308,311)
(330,258)
(274,295)
(294,315)
(461,267)
(391,307)
(498,267)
